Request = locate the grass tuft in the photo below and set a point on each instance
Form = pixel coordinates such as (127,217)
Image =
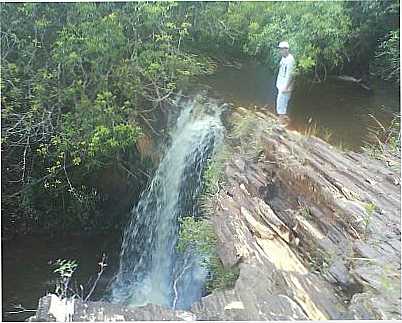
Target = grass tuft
(386,142)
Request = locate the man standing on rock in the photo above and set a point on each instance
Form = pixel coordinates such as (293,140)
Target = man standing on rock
(285,79)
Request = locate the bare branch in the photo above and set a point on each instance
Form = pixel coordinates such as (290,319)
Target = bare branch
(102,265)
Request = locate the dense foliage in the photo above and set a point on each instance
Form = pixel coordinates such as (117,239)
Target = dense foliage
(387,60)
(373,23)
(333,36)
(317,32)
(82,82)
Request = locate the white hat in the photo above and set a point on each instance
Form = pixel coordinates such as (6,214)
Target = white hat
(283,44)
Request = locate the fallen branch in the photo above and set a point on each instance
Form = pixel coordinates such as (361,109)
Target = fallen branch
(149,125)
(21,309)
(121,165)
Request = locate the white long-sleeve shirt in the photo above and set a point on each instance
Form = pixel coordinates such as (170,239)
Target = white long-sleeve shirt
(285,75)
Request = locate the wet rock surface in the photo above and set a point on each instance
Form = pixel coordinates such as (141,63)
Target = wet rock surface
(314,231)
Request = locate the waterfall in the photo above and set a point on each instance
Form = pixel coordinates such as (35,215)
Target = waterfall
(151,269)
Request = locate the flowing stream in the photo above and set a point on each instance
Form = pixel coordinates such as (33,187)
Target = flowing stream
(151,270)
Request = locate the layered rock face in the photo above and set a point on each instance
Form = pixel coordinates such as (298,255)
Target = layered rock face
(314,231)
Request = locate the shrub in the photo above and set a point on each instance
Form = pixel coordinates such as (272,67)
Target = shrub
(199,236)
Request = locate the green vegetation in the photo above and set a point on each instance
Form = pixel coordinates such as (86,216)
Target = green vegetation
(196,234)
(319,260)
(305,212)
(314,130)
(82,82)
(326,37)
(387,282)
(199,236)
(221,277)
(246,134)
(244,127)
(212,179)
(372,23)
(319,131)
(65,269)
(386,142)
(370,209)
(213,174)
(387,59)
(317,48)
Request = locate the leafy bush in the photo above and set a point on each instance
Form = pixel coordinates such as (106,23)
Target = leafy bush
(80,84)
(316,32)
(221,277)
(387,58)
(65,269)
(199,236)
(386,142)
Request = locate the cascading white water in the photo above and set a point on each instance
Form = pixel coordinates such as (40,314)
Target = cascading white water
(151,270)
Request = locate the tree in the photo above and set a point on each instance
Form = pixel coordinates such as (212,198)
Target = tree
(386,63)
(372,21)
(81,83)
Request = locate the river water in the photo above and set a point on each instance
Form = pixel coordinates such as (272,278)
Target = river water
(341,107)
(27,270)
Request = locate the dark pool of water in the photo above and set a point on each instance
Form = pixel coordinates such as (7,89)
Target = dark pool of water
(338,107)
(27,271)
